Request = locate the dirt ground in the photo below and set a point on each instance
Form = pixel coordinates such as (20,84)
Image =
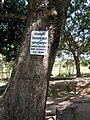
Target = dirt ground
(69,93)
(79,100)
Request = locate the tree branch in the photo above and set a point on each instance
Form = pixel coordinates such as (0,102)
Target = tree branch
(13,16)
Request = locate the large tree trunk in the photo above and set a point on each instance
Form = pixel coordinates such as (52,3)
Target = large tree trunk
(25,96)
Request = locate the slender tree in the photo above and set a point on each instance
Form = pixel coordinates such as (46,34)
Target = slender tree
(77,32)
(25,96)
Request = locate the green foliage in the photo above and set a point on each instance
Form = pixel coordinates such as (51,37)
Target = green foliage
(59,54)
(78,23)
(10,37)
(89,62)
(64,75)
(11,29)
(84,62)
(77,27)
(86,74)
(18,7)
(53,93)
(69,63)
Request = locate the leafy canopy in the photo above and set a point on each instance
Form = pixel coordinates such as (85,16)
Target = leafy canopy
(11,29)
(77,30)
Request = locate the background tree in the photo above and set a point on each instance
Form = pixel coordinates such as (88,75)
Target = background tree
(77,32)
(61,58)
(26,93)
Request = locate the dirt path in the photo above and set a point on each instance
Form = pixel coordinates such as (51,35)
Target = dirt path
(81,101)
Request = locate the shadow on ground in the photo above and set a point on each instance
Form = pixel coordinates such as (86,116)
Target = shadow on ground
(79,98)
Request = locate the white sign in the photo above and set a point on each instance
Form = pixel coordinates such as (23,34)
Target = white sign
(39,42)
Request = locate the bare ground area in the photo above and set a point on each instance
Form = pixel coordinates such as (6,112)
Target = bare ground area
(70,93)
(67,93)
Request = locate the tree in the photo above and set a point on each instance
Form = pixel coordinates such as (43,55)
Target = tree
(25,96)
(77,32)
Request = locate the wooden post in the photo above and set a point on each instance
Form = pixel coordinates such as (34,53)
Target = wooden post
(65,114)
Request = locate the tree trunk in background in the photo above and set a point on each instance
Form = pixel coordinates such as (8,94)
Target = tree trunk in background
(77,63)
(25,96)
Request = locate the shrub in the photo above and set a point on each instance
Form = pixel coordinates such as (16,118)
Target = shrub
(84,62)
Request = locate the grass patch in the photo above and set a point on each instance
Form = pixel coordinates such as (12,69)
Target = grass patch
(70,71)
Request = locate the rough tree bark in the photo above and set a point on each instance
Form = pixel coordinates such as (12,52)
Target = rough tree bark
(25,96)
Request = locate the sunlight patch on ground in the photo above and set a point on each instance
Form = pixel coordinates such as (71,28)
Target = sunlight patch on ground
(49,102)
(48,111)
(64,104)
(51,118)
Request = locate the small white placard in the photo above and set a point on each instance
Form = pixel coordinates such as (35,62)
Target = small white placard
(39,42)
